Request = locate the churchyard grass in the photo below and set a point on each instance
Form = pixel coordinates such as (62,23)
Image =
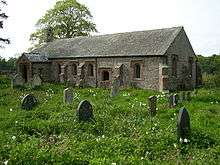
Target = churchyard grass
(122,132)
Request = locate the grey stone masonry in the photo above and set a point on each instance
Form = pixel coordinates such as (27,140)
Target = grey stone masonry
(152,102)
(68,95)
(36,81)
(17,80)
(115,87)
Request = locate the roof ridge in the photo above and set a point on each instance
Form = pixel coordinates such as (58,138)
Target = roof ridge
(102,35)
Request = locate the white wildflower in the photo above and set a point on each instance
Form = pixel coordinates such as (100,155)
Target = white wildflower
(157,109)
(13,137)
(94,94)
(185,140)
(211,102)
(142,158)
(172,119)
(144,104)
(181,140)
(113,163)
(11,109)
(16,122)
(216,102)
(103,136)
(5,162)
(174,145)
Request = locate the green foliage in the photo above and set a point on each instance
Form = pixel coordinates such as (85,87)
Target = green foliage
(211,70)
(122,133)
(7,64)
(67,19)
(210,65)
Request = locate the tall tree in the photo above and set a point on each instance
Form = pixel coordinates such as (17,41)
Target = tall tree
(67,19)
(3,16)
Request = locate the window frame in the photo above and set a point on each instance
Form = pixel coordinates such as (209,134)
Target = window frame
(133,70)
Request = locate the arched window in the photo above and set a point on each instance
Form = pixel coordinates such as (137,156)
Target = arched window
(137,70)
(90,70)
(74,69)
(174,66)
(105,75)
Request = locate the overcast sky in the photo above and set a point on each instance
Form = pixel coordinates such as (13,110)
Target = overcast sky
(200,18)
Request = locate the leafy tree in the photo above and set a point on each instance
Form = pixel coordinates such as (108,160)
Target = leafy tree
(67,19)
(9,64)
(3,16)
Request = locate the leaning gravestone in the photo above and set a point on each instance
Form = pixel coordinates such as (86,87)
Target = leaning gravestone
(171,101)
(28,102)
(84,111)
(115,87)
(68,96)
(17,80)
(183,124)
(36,81)
(152,101)
(175,99)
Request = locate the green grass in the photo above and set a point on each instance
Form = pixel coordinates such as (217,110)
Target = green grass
(123,132)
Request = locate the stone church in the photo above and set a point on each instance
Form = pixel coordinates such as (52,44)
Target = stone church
(161,59)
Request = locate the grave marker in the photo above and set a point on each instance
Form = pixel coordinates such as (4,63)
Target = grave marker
(115,87)
(68,96)
(183,124)
(36,81)
(152,101)
(84,111)
(17,80)
(28,102)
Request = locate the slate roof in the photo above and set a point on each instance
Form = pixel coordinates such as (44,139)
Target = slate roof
(35,57)
(138,43)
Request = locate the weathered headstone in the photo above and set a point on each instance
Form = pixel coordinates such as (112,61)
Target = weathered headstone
(28,102)
(17,80)
(84,111)
(175,99)
(171,101)
(188,96)
(152,102)
(68,96)
(81,83)
(183,124)
(115,87)
(36,81)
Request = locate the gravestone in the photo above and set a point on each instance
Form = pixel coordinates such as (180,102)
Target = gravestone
(28,102)
(84,111)
(152,102)
(183,124)
(68,96)
(171,101)
(188,96)
(175,99)
(17,80)
(36,81)
(115,87)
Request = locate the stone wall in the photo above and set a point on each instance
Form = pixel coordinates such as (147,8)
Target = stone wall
(181,48)
(43,70)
